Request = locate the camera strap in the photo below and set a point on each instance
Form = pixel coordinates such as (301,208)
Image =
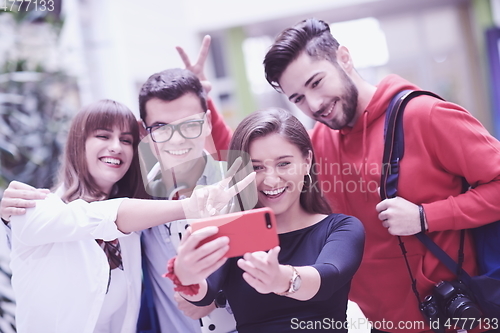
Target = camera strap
(439,253)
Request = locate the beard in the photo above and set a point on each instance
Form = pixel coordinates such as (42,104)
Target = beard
(349,102)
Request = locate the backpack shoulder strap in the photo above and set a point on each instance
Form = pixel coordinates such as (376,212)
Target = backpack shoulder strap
(394,141)
(393,153)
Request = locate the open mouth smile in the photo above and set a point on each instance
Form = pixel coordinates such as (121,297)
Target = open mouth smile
(111,160)
(274,193)
(329,111)
(179,152)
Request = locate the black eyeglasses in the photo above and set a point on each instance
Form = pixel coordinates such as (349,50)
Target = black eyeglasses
(189,129)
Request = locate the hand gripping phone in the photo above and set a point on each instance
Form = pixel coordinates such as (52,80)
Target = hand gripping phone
(248,231)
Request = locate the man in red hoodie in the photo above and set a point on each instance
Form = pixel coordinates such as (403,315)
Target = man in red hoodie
(444,144)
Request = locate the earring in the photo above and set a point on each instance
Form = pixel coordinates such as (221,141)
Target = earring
(310,178)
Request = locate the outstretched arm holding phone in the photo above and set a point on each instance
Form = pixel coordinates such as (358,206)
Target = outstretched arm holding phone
(132,214)
(136,214)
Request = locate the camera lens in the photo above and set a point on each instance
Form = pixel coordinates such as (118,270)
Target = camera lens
(462,307)
(269,225)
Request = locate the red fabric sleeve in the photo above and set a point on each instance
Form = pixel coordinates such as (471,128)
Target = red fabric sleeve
(221,132)
(462,146)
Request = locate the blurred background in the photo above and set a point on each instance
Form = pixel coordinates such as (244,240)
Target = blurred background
(58,55)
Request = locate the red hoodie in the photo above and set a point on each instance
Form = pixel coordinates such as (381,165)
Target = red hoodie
(443,144)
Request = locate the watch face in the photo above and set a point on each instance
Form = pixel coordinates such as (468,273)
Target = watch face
(296,283)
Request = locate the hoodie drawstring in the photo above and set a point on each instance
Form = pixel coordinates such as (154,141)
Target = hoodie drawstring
(339,159)
(364,157)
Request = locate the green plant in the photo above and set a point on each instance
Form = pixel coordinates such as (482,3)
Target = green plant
(33,122)
(36,104)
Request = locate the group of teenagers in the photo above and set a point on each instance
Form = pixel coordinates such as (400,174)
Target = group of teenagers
(92,255)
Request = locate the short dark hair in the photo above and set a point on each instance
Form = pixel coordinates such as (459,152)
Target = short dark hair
(312,36)
(275,120)
(169,85)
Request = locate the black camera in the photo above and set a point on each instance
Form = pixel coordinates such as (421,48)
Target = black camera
(449,303)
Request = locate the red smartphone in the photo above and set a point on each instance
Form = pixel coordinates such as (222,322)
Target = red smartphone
(248,231)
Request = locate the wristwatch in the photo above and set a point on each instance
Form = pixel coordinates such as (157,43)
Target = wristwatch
(295,283)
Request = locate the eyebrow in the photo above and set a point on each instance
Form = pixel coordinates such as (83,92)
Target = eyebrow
(111,131)
(157,123)
(305,85)
(279,158)
(179,121)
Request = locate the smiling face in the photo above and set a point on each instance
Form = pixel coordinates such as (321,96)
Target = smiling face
(109,153)
(178,150)
(322,90)
(280,168)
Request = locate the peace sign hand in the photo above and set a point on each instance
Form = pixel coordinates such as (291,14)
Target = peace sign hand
(210,200)
(198,68)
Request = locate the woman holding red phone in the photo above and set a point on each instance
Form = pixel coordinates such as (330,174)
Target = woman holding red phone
(304,282)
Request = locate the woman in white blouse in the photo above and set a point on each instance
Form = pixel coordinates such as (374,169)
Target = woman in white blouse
(62,278)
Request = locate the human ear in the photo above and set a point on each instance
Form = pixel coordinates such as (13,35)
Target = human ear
(143,133)
(344,59)
(208,119)
(308,162)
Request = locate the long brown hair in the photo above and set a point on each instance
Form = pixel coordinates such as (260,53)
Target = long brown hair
(74,175)
(275,120)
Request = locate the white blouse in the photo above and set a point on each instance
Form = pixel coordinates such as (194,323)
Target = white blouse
(59,272)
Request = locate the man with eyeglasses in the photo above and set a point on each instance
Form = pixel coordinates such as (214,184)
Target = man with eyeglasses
(175,114)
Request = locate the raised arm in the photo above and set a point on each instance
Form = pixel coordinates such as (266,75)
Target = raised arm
(221,132)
